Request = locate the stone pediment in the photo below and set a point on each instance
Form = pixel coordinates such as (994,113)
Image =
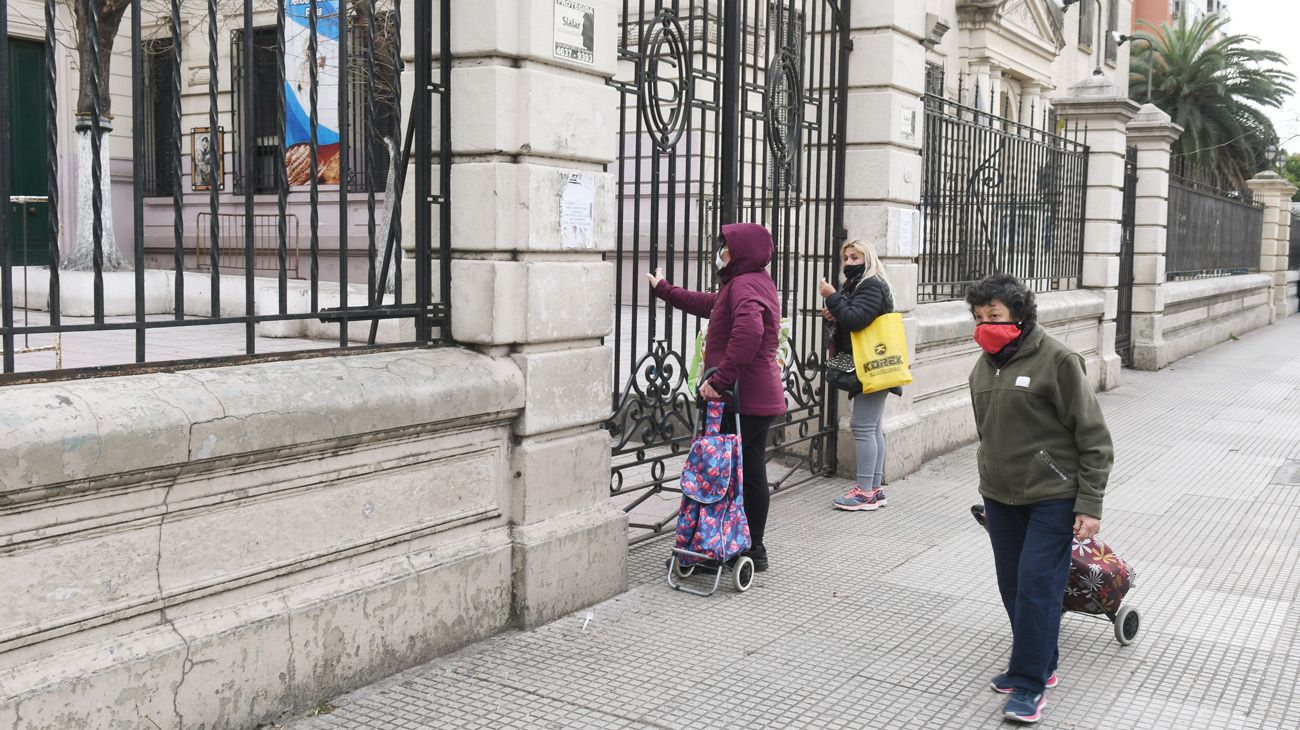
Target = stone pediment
(1036,21)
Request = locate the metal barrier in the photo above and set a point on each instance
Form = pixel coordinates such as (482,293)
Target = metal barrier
(271,252)
(1293,255)
(998,196)
(1212,232)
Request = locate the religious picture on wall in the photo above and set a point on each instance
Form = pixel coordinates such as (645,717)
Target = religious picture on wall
(298,69)
(205,159)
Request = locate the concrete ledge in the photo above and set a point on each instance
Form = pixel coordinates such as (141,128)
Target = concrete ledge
(1200,314)
(1292,301)
(218,547)
(1180,292)
(114,426)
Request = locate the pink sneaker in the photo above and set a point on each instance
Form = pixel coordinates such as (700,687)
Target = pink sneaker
(858,499)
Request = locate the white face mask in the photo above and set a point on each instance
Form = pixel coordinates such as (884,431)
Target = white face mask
(718,262)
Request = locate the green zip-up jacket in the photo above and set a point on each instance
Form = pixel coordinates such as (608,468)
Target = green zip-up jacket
(1042,435)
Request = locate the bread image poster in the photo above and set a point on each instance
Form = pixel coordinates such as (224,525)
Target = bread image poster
(298,63)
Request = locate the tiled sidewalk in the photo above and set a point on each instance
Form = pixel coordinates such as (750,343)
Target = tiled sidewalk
(891,619)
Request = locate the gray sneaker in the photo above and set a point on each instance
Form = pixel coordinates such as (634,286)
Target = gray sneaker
(859,500)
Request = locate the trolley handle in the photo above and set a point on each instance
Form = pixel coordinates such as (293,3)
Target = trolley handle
(731,397)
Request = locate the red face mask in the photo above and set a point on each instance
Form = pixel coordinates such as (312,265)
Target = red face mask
(993,336)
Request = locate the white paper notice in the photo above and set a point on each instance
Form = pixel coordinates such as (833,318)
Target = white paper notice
(906,224)
(577,204)
(907,128)
(575,28)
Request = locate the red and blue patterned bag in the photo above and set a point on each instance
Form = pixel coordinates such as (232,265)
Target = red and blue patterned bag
(712,518)
(1099,579)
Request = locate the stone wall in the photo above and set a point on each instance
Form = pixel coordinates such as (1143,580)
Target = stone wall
(1202,313)
(217,547)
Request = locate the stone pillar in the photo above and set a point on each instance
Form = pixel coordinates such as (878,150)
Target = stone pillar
(1275,192)
(979,72)
(1031,104)
(1152,132)
(532,133)
(883,178)
(996,87)
(1098,105)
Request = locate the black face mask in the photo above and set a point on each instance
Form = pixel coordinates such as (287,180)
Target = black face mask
(854,271)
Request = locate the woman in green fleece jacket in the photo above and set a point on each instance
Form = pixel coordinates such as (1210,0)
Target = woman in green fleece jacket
(1045,455)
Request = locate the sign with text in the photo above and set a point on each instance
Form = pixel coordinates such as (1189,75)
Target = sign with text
(575,32)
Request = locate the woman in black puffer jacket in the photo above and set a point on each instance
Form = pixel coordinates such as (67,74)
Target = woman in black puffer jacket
(862,297)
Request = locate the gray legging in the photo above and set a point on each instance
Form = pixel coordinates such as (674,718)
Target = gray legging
(869,437)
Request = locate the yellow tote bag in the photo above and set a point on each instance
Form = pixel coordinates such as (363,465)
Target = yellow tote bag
(880,354)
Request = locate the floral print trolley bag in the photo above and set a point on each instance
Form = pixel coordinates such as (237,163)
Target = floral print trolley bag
(712,530)
(1099,582)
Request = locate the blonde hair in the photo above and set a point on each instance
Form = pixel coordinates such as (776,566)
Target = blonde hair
(869,256)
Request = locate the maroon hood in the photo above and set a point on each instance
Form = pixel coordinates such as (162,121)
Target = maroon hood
(751,249)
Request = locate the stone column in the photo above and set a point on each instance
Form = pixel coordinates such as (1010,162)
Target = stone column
(996,86)
(1152,132)
(1275,192)
(883,178)
(1031,109)
(1098,105)
(979,72)
(533,132)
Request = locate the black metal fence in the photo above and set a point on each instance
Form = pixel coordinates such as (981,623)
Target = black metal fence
(1293,256)
(1127,271)
(316,135)
(998,196)
(1211,232)
(731,111)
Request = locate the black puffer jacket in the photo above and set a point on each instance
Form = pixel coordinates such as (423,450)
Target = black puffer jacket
(852,312)
(868,300)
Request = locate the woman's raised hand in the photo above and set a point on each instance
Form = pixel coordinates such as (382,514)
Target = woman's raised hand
(825,288)
(655,278)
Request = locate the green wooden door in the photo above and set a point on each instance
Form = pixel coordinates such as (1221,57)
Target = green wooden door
(29,173)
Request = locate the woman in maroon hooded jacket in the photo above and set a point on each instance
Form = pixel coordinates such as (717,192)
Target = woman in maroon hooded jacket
(744,328)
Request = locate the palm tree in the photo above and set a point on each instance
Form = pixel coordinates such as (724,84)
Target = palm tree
(1216,86)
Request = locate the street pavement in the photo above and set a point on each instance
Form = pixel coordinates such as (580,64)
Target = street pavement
(891,619)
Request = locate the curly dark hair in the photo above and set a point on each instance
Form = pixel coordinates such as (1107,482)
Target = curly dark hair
(1006,289)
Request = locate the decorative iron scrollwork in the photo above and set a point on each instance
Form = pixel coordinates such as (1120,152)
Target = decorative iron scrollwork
(666,84)
(982,184)
(655,417)
(784,107)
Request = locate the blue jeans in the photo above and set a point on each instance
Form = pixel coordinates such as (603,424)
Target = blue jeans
(1031,551)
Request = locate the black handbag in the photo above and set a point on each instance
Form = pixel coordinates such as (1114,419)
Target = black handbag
(842,363)
(842,374)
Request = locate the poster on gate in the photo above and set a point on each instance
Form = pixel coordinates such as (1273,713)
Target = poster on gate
(298,62)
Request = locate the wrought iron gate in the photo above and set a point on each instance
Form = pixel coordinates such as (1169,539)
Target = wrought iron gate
(1124,314)
(731,110)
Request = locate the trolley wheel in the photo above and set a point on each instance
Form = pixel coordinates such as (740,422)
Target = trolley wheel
(744,573)
(1127,623)
(682,571)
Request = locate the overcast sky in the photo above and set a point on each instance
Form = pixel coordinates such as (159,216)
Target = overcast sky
(1277,25)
